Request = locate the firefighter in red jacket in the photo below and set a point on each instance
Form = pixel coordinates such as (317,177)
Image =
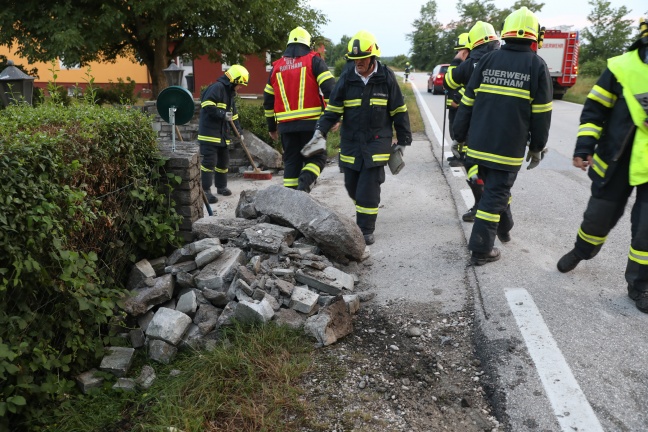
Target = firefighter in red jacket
(369,99)
(217,108)
(294,99)
(507,103)
(482,39)
(612,142)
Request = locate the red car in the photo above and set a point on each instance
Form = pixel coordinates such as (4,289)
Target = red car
(435,82)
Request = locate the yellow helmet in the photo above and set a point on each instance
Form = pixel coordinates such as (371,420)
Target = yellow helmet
(480,34)
(237,74)
(462,42)
(299,35)
(363,45)
(521,24)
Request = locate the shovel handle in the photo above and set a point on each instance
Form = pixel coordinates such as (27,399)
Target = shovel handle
(243,145)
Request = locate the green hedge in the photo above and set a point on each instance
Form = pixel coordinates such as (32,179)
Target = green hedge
(79,201)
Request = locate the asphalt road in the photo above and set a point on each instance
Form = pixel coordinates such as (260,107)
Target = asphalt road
(565,351)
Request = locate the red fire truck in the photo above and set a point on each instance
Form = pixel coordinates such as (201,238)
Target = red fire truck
(560,52)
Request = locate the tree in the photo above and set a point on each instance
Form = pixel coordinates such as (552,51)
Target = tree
(608,36)
(150,31)
(427,49)
(338,51)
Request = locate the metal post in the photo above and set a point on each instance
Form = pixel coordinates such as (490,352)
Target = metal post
(445,110)
(172,111)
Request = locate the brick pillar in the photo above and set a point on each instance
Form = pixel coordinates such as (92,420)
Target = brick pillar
(185,163)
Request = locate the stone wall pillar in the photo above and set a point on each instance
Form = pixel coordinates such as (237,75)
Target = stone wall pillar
(185,163)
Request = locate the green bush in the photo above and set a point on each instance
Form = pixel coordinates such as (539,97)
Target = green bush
(593,68)
(79,201)
(121,92)
(252,118)
(339,66)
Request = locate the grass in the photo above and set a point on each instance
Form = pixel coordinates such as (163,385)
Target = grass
(578,93)
(250,382)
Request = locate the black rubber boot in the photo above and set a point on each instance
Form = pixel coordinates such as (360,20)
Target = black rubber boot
(469,216)
(568,262)
(504,237)
(223,191)
(207,180)
(642,302)
(369,239)
(479,259)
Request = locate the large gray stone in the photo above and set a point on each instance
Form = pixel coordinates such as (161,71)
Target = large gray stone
(168,325)
(140,271)
(217,273)
(247,311)
(334,233)
(245,208)
(161,351)
(266,237)
(263,154)
(142,300)
(224,229)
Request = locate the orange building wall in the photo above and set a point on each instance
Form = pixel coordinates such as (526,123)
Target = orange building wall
(103,73)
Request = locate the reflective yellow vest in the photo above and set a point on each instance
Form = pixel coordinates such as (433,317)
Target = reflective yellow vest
(632,74)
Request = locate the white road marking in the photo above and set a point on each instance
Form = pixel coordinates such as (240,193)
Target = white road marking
(428,115)
(573,411)
(457,172)
(468,198)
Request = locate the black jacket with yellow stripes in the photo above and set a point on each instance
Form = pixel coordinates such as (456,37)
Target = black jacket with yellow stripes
(606,127)
(215,101)
(507,103)
(369,113)
(326,83)
(459,72)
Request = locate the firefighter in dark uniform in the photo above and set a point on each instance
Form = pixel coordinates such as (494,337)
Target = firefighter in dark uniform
(217,108)
(482,39)
(408,69)
(612,142)
(507,103)
(294,99)
(369,100)
(454,95)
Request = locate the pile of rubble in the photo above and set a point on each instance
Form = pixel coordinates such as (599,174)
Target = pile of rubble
(280,259)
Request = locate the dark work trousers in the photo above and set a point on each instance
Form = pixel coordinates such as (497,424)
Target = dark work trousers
(364,189)
(452,113)
(494,210)
(215,159)
(604,209)
(300,172)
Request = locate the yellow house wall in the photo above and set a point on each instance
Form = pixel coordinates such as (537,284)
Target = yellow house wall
(102,73)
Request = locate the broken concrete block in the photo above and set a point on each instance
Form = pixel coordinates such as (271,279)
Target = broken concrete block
(187,302)
(352,302)
(137,338)
(89,380)
(142,300)
(290,318)
(224,229)
(247,311)
(319,280)
(303,300)
(139,272)
(206,256)
(186,266)
(198,246)
(168,325)
(125,384)
(146,377)
(161,351)
(331,323)
(217,273)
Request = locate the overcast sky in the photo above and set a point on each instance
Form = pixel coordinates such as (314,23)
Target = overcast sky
(391,20)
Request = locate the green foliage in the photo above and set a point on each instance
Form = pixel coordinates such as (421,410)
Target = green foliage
(339,66)
(609,35)
(338,51)
(248,382)
(79,200)
(592,68)
(121,92)
(252,118)
(79,32)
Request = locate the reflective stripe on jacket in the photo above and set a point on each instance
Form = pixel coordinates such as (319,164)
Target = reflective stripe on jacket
(507,104)
(369,113)
(296,89)
(606,125)
(214,103)
(632,74)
